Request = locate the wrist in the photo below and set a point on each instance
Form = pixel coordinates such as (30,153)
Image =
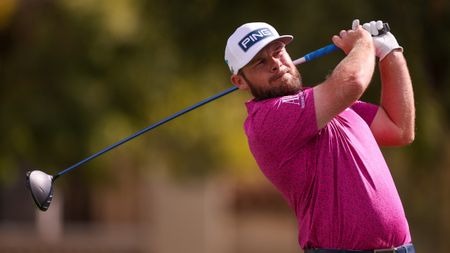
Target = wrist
(366,45)
(393,55)
(388,53)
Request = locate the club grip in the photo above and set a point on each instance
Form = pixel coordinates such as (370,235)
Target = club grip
(385,29)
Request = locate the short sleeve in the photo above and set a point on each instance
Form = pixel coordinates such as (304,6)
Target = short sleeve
(366,111)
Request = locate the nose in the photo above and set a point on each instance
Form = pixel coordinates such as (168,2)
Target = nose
(275,64)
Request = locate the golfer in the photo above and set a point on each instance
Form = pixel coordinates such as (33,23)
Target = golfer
(320,146)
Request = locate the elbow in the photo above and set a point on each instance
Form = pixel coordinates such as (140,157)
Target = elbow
(408,137)
(405,139)
(396,140)
(356,84)
(408,133)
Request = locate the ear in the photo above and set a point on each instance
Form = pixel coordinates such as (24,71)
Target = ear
(239,82)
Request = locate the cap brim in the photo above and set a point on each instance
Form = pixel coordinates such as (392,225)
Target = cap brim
(286,39)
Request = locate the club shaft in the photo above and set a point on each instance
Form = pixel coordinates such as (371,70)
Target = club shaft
(157,124)
(316,54)
(308,57)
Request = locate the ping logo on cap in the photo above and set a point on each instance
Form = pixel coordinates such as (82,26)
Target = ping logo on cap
(253,37)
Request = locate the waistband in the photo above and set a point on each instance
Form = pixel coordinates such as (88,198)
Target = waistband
(407,248)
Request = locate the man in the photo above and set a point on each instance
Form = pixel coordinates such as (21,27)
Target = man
(320,146)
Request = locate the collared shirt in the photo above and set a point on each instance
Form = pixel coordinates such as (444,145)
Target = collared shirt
(335,178)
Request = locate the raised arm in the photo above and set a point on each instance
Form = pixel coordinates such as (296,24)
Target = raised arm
(393,124)
(349,79)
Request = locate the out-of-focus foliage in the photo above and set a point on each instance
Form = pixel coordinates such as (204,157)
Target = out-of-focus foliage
(80,75)
(77,76)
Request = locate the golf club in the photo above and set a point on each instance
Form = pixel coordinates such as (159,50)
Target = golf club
(41,184)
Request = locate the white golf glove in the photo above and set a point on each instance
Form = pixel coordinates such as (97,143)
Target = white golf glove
(384,43)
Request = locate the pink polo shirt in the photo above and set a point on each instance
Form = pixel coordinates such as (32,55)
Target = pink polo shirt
(335,178)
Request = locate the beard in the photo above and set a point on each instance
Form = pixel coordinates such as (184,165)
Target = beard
(289,84)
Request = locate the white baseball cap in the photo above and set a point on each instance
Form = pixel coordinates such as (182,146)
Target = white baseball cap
(247,41)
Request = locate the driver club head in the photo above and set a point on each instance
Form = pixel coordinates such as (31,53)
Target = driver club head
(41,187)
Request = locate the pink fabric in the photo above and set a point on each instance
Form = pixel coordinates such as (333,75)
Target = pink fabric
(335,179)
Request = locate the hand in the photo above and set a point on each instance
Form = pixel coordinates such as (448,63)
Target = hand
(384,43)
(348,39)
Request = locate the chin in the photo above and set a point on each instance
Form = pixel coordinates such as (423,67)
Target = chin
(289,84)
(283,89)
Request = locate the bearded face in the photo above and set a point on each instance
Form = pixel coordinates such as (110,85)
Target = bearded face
(270,73)
(284,84)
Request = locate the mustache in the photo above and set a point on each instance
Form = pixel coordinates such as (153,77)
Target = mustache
(277,76)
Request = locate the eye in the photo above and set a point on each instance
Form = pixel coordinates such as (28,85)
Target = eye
(258,62)
(279,49)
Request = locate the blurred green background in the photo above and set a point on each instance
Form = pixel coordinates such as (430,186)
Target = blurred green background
(77,76)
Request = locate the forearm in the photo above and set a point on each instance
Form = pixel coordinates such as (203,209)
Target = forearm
(397,98)
(347,82)
(354,73)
